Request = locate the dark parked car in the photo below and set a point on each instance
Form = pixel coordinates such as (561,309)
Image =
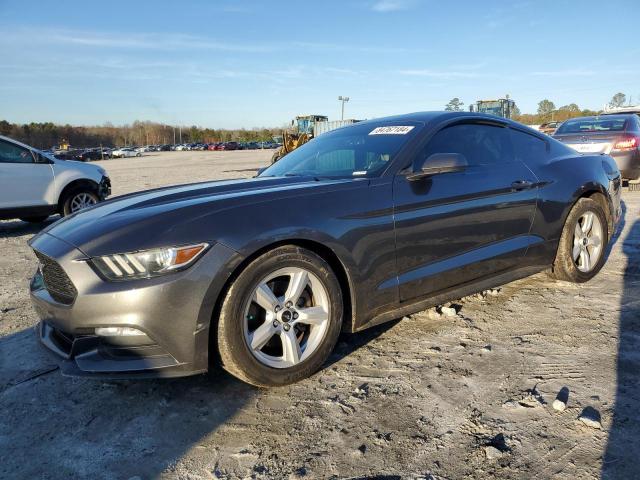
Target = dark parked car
(362,225)
(90,154)
(615,135)
(229,146)
(549,127)
(70,154)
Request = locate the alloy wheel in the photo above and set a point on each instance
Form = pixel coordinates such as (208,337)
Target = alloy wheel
(587,241)
(82,200)
(287,317)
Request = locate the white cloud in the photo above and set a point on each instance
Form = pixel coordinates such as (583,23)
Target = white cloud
(391,5)
(174,42)
(564,73)
(425,72)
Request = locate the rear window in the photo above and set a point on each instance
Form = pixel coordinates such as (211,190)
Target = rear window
(592,125)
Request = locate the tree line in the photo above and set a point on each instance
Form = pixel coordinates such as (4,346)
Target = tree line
(547,110)
(47,134)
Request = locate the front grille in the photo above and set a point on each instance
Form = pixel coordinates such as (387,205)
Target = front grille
(56,281)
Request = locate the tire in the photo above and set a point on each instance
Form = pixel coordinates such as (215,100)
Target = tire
(35,219)
(277,155)
(566,265)
(242,319)
(69,205)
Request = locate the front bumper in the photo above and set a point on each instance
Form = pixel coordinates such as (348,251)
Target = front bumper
(104,187)
(172,313)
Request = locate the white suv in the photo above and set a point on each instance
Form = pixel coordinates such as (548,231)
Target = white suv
(35,184)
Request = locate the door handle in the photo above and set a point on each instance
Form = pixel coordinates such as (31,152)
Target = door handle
(521,185)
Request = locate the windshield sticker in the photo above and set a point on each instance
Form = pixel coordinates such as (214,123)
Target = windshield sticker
(399,130)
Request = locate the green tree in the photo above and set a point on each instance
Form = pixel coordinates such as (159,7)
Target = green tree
(618,100)
(572,107)
(545,107)
(454,105)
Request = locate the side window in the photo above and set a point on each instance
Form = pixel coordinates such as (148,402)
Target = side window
(528,149)
(480,144)
(10,153)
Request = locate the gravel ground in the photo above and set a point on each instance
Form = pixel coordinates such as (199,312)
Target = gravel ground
(438,395)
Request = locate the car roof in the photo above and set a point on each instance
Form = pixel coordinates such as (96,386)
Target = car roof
(436,117)
(9,139)
(609,117)
(619,110)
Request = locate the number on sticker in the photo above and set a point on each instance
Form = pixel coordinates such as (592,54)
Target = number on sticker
(393,130)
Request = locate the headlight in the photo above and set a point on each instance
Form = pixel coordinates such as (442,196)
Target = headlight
(148,263)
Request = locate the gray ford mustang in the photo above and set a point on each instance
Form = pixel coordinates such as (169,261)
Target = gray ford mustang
(361,225)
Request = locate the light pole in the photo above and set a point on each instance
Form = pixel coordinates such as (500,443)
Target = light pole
(343,100)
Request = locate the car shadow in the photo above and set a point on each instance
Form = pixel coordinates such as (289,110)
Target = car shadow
(60,427)
(17,228)
(618,232)
(623,445)
(90,428)
(350,342)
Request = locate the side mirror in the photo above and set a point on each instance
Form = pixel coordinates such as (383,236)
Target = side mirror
(439,163)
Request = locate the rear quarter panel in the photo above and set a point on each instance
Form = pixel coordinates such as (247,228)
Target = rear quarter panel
(563,180)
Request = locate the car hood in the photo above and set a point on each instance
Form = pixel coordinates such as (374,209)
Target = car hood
(88,169)
(175,215)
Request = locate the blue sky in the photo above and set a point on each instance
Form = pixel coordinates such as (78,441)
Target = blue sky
(242,63)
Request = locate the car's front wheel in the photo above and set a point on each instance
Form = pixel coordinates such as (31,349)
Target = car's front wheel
(581,251)
(280,318)
(78,199)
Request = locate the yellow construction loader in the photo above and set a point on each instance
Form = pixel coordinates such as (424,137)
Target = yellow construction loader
(300,133)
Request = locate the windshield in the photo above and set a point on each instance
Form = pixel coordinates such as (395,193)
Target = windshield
(357,151)
(592,125)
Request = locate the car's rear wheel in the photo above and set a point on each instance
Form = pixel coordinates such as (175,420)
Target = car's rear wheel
(581,251)
(280,318)
(78,199)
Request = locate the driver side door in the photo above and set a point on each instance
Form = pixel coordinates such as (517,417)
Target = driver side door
(23,182)
(456,227)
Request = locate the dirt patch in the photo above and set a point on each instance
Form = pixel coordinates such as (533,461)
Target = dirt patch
(467,393)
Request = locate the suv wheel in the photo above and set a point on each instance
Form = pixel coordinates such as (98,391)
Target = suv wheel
(584,239)
(78,199)
(280,318)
